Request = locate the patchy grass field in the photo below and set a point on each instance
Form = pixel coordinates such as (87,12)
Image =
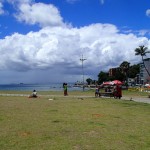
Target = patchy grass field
(73,123)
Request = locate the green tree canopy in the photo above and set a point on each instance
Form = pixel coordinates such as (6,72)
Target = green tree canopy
(89,81)
(133,71)
(102,77)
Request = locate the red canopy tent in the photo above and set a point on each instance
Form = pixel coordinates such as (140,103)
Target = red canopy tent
(117,82)
(108,83)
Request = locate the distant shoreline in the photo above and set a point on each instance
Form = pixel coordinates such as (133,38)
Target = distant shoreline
(38,87)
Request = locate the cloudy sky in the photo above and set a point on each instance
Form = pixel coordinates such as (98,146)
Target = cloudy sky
(42,41)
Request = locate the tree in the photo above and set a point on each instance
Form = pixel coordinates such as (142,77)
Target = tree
(133,71)
(142,50)
(103,76)
(124,66)
(124,69)
(119,75)
(89,81)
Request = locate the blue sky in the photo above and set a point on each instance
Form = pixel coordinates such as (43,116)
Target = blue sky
(130,14)
(43,40)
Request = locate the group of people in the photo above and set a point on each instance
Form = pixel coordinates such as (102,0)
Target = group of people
(116,91)
(34,93)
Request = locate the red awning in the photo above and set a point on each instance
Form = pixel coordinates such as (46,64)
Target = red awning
(107,83)
(117,82)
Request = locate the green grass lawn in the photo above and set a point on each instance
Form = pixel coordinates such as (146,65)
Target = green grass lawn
(73,123)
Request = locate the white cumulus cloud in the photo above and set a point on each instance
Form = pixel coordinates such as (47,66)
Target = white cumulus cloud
(16,2)
(61,47)
(39,13)
(55,50)
(1,8)
(148,12)
(102,1)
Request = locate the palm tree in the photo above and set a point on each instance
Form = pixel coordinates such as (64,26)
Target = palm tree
(142,50)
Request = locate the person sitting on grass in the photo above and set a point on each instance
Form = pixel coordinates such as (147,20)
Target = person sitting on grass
(34,94)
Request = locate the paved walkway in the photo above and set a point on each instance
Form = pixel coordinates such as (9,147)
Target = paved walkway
(137,99)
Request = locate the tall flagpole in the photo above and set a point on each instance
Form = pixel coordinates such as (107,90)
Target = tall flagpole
(82,60)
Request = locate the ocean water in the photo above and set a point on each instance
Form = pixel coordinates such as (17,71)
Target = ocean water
(38,87)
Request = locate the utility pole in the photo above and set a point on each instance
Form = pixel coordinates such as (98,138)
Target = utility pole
(82,60)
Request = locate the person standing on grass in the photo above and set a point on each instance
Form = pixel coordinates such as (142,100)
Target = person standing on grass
(97,92)
(117,92)
(65,89)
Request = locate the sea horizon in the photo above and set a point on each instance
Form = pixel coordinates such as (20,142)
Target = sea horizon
(37,86)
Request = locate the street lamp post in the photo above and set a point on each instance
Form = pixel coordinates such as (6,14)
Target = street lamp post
(82,60)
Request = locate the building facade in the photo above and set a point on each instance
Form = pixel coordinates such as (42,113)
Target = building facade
(143,76)
(112,71)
